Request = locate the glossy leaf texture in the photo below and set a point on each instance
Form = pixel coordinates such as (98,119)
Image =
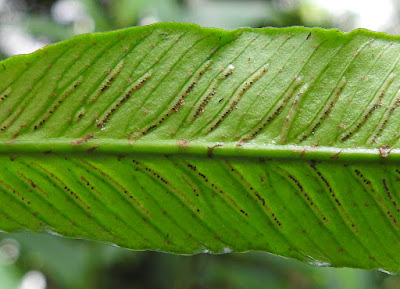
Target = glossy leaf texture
(184,139)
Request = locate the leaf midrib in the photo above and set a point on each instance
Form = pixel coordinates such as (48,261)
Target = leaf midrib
(197,148)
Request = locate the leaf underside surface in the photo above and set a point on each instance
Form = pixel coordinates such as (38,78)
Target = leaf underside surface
(182,139)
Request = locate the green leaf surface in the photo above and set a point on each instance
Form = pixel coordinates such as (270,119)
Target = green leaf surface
(177,138)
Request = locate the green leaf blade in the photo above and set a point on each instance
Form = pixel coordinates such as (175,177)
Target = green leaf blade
(181,139)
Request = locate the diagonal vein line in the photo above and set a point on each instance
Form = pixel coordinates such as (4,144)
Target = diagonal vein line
(21,76)
(9,217)
(232,62)
(102,176)
(146,98)
(375,133)
(165,112)
(383,213)
(342,213)
(276,74)
(91,92)
(43,200)
(254,128)
(340,77)
(88,127)
(198,103)
(177,195)
(69,83)
(77,204)
(373,196)
(163,115)
(147,71)
(12,196)
(239,93)
(263,208)
(222,195)
(352,129)
(114,65)
(22,104)
(156,225)
(163,56)
(188,173)
(306,204)
(207,87)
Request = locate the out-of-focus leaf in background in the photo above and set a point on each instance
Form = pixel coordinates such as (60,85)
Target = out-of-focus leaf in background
(26,25)
(78,264)
(39,261)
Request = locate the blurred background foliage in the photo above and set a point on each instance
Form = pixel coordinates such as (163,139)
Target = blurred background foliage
(26,25)
(42,261)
